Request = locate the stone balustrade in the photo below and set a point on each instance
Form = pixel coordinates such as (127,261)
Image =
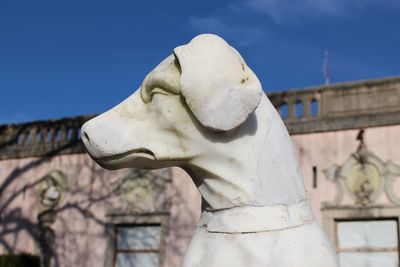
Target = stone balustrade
(333,107)
(341,106)
(41,138)
(297,105)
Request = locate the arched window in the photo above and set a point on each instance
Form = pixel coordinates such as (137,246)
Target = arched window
(70,134)
(314,108)
(299,109)
(283,110)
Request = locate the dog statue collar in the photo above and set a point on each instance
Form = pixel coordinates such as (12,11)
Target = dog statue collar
(250,219)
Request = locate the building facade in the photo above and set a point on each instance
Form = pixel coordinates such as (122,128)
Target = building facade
(58,203)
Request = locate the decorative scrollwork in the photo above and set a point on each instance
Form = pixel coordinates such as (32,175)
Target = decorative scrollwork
(363,177)
(392,172)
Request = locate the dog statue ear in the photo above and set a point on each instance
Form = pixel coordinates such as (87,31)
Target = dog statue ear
(218,86)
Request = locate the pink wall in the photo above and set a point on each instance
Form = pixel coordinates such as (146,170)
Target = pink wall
(80,233)
(80,223)
(80,226)
(325,149)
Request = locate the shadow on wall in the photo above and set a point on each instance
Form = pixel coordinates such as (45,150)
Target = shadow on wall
(74,230)
(20,207)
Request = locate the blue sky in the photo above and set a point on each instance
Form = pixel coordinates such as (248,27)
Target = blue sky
(66,58)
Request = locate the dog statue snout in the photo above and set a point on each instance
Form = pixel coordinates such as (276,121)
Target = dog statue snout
(100,137)
(85,137)
(87,140)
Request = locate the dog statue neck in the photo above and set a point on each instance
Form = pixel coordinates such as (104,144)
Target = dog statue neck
(257,168)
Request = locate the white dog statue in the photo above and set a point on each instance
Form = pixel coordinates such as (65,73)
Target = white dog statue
(204,110)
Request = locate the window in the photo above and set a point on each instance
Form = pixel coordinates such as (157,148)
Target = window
(283,110)
(137,245)
(314,108)
(372,243)
(299,109)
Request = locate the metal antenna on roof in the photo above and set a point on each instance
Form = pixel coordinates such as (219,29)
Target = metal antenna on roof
(325,68)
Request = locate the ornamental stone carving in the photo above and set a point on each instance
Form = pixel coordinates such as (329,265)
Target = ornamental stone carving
(142,191)
(52,189)
(364,177)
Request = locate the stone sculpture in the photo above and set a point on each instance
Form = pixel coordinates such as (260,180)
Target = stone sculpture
(363,177)
(53,187)
(204,110)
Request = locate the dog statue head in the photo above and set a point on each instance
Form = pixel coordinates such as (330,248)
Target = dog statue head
(202,109)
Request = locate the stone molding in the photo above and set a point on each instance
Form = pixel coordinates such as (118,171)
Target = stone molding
(332,215)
